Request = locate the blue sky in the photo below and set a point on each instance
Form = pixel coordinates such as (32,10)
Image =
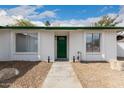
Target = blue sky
(60,12)
(66,12)
(83,12)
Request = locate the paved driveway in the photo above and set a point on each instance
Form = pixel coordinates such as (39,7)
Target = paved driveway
(61,75)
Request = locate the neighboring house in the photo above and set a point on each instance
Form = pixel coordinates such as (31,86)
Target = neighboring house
(58,43)
(120,48)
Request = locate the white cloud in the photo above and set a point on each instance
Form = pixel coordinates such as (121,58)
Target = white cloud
(121,16)
(85,22)
(3,13)
(45,14)
(5,19)
(56,10)
(121,10)
(112,15)
(10,18)
(74,22)
(18,17)
(104,9)
(29,12)
(38,23)
(23,10)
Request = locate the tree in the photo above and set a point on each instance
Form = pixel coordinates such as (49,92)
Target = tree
(47,23)
(23,22)
(107,21)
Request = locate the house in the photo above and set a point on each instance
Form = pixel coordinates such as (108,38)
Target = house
(58,43)
(120,48)
(120,44)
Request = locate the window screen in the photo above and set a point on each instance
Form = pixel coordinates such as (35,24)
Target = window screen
(93,42)
(26,42)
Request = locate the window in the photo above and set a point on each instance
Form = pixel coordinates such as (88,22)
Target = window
(93,42)
(26,42)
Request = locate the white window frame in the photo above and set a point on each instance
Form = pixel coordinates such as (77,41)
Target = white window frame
(94,53)
(28,53)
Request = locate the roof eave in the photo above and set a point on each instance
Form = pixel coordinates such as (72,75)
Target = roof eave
(59,28)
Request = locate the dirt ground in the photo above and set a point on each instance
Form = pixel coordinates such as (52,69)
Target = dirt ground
(98,75)
(32,74)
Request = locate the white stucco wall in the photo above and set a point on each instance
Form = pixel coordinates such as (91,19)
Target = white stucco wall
(77,42)
(46,45)
(110,45)
(120,49)
(4,45)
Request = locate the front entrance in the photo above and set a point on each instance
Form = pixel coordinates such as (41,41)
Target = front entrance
(61,47)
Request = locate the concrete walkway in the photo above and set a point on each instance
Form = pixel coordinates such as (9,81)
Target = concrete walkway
(61,75)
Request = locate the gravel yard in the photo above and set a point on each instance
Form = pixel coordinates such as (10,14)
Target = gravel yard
(32,74)
(98,75)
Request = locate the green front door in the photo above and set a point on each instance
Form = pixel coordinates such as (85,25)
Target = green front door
(61,47)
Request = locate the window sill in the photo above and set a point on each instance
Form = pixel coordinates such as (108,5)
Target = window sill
(26,53)
(93,53)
